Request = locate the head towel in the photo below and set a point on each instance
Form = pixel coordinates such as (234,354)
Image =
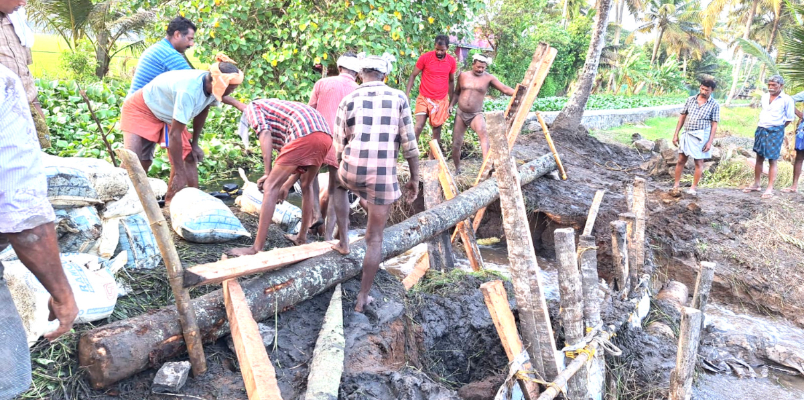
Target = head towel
(220,80)
(383,63)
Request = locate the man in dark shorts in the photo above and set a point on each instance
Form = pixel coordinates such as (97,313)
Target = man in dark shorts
(435,91)
(372,125)
(469,95)
(301,137)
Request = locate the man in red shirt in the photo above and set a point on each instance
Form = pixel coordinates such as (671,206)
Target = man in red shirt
(437,84)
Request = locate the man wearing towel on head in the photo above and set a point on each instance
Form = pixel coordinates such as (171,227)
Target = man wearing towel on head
(371,125)
(161,111)
(469,95)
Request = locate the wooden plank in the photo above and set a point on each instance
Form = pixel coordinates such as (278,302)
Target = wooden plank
(326,367)
(497,302)
(164,239)
(687,356)
(619,252)
(418,272)
(570,287)
(258,372)
(640,199)
(439,248)
(450,191)
(630,222)
(219,271)
(593,210)
(552,146)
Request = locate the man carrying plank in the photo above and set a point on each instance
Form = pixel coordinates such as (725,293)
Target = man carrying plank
(301,137)
(469,95)
(371,125)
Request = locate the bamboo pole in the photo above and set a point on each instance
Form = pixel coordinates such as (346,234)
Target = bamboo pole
(570,287)
(562,379)
(619,252)
(164,239)
(439,248)
(552,146)
(640,199)
(537,333)
(687,356)
(703,286)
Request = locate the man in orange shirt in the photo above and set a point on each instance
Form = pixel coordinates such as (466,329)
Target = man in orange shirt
(435,91)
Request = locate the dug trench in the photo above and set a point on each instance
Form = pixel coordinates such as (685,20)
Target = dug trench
(437,341)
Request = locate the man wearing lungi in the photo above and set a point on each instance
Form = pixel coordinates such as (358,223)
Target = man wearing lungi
(778,111)
(162,110)
(436,88)
(301,137)
(799,146)
(699,117)
(371,126)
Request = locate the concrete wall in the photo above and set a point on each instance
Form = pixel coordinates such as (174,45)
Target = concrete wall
(605,119)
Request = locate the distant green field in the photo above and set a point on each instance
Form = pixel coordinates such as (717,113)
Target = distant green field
(739,121)
(48,48)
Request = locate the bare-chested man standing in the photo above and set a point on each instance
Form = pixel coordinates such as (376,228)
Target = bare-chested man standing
(469,95)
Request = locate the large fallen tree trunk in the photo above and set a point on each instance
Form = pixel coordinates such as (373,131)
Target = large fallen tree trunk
(120,349)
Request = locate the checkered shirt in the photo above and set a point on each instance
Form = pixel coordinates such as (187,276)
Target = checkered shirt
(371,125)
(700,117)
(284,120)
(16,57)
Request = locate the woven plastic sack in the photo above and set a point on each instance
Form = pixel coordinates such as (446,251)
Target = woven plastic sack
(201,218)
(138,240)
(68,187)
(110,183)
(78,229)
(286,215)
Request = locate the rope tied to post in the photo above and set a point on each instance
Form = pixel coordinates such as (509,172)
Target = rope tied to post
(523,375)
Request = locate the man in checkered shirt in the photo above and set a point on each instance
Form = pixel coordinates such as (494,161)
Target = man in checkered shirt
(371,126)
(699,117)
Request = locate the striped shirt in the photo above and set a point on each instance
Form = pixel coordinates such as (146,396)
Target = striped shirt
(157,59)
(284,120)
(23,185)
(700,116)
(328,93)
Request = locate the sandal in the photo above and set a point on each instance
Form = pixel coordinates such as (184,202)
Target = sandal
(691,192)
(750,189)
(789,190)
(767,195)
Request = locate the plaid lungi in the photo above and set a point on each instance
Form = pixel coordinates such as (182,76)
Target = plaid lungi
(768,142)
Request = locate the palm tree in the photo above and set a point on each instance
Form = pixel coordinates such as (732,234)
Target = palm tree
(674,17)
(103,24)
(634,7)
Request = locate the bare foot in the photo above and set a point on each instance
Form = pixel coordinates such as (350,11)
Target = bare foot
(790,190)
(298,240)
(768,194)
(241,251)
(362,301)
(750,189)
(340,248)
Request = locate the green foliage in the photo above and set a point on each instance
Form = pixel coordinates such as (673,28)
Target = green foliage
(278,44)
(79,65)
(596,102)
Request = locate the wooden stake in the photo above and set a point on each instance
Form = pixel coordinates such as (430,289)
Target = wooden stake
(619,252)
(258,372)
(633,274)
(164,239)
(569,279)
(537,333)
(219,271)
(552,146)
(702,287)
(450,191)
(439,248)
(326,368)
(593,210)
(640,199)
(687,356)
(418,272)
(587,254)
(497,302)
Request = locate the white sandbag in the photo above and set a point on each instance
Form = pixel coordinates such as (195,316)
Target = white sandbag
(158,186)
(69,187)
(201,218)
(127,205)
(90,277)
(8,254)
(78,229)
(137,239)
(110,238)
(109,182)
(286,215)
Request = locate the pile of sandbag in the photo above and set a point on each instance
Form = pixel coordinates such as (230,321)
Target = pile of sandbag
(101,228)
(201,218)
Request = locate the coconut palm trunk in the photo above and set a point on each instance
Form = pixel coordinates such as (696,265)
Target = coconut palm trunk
(735,79)
(570,116)
(656,46)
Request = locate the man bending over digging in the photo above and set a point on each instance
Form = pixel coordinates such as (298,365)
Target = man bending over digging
(371,125)
(301,136)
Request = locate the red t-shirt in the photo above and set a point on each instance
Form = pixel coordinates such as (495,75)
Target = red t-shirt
(435,75)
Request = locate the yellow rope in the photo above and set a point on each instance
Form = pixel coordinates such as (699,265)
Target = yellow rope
(522,375)
(589,351)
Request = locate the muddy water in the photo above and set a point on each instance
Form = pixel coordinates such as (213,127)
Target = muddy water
(495,258)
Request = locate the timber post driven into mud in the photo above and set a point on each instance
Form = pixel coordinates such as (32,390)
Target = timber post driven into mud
(120,349)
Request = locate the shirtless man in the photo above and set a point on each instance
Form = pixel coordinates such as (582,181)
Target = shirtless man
(469,94)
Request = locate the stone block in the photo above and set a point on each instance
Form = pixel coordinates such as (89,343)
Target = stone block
(644,145)
(670,156)
(662,145)
(171,377)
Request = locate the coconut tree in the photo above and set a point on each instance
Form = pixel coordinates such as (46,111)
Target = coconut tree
(672,17)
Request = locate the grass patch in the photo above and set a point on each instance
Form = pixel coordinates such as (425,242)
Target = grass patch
(734,173)
(739,121)
(440,282)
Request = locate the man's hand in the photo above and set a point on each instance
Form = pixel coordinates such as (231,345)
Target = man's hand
(707,146)
(412,190)
(261,182)
(452,110)
(65,312)
(675,140)
(283,195)
(198,154)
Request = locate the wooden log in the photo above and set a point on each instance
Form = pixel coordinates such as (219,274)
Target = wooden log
(450,191)
(326,368)
(640,213)
(537,333)
(570,287)
(258,373)
(552,146)
(593,210)
(439,248)
(633,274)
(164,239)
(497,302)
(619,252)
(120,349)
(264,261)
(702,287)
(687,356)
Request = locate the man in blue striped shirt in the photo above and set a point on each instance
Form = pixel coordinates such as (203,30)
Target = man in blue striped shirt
(166,54)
